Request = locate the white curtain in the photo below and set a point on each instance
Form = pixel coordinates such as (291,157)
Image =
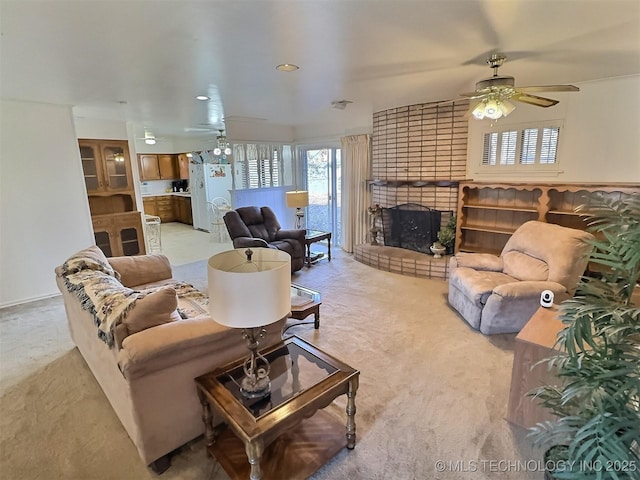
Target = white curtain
(356,168)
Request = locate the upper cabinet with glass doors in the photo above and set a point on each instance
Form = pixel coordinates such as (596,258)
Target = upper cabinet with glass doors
(106,166)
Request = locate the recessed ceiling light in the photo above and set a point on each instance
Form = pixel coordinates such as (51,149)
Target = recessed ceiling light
(287,67)
(202,97)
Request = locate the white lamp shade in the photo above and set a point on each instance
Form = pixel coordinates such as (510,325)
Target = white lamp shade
(248,294)
(297,199)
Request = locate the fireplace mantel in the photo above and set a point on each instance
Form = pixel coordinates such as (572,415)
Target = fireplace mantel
(417,182)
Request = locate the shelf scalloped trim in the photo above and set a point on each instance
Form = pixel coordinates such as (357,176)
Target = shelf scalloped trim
(413,183)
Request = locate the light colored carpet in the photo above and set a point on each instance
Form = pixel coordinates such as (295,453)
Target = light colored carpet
(431,389)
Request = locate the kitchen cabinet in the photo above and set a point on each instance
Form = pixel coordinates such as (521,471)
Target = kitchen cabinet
(158,166)
(149,167)
(183,166)
(183,209)
(164,206)
(488,213)
(168,167)
(119,234)
(170,208)
(150,206)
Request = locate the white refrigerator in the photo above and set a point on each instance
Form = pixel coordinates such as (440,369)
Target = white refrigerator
(206,182)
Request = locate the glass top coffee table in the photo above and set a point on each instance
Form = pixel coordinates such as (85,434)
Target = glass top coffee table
(275,433)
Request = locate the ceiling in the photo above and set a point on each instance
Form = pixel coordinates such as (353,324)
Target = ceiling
(144,61)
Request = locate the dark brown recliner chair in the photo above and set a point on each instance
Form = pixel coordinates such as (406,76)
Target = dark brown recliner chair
(259,227)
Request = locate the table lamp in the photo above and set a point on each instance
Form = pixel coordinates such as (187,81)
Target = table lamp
(298,199)
(249,289)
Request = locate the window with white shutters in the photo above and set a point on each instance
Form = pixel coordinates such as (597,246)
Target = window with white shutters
(521,147)
(258,165)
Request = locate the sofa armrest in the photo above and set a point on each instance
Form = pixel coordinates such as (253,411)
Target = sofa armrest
(242,242)
(141,269)
(531,289)
(477,261)
(287,234)
(170,344)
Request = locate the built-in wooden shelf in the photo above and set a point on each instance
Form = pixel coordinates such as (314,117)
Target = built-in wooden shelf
(502,207)
(488,213)
(490,229)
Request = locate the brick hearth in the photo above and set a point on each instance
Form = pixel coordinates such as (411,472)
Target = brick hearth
(402,261)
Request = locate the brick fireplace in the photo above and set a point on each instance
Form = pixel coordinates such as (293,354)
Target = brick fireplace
(419,154)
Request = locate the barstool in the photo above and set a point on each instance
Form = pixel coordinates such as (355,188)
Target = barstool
(153,234)
(216,209)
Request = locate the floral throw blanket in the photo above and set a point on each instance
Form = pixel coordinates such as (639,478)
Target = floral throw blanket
(104,297)
(100,292)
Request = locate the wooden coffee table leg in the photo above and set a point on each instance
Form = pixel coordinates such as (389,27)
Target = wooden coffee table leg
(351,413)
(254,454)
(207,418)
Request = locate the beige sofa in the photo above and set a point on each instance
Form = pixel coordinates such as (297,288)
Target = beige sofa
(147,359)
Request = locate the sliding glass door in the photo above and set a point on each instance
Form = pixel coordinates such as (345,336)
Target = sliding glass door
(322,173)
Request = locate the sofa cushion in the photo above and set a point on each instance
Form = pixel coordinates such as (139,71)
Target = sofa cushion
(153,309)
(91,258)
(138,270)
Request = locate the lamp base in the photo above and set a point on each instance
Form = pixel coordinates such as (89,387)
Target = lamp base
(256,382)
(258,389)
(299,217)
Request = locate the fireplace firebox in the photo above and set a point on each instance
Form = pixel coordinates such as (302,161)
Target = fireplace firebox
(411,226)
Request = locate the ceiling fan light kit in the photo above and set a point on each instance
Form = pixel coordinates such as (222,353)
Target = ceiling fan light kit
(495,92)
(492,108)
(222,145)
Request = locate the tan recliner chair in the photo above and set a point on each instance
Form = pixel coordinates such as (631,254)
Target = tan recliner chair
(498,294)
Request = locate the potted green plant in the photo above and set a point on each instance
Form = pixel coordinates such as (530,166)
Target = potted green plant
(597,400)
(447,235)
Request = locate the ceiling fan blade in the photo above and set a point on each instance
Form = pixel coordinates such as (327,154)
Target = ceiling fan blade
(550,88)
(473,94)
(534,100)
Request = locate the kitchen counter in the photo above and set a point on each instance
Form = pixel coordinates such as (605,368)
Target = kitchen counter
(174,194)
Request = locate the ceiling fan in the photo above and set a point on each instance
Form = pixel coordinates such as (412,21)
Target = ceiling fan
(149,138)
(492,95)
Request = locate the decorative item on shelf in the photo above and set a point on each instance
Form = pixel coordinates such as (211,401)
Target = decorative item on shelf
(375,210)
(447,235)
(249,289)
(595,398)
(298,199)
(438,250)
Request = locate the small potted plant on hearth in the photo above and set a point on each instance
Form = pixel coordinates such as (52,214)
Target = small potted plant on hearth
(447,235)
(597,400)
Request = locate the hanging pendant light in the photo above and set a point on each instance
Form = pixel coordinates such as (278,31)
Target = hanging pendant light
(222,146)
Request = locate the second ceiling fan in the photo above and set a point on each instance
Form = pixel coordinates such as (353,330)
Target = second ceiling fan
(493,95)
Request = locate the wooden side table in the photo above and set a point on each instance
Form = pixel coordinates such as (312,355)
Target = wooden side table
(313,236)
(535,342)
(286,434)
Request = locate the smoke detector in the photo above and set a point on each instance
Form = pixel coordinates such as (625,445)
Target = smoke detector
(340,104)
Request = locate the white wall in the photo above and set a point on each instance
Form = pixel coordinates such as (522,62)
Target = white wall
(100,129)
(599,139)
(44,213)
